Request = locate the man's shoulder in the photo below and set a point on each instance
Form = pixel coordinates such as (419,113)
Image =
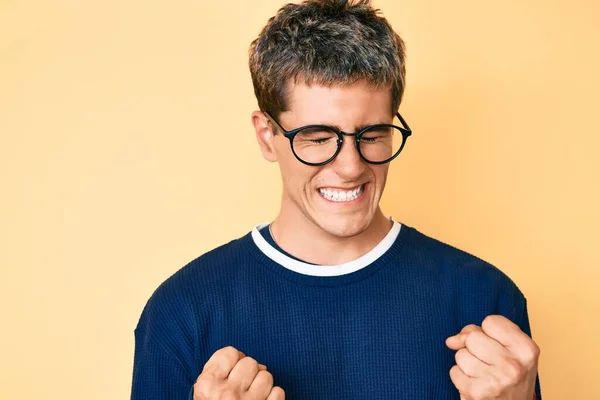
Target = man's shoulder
(211,266)
(187,289)
(443,258)
(474,285)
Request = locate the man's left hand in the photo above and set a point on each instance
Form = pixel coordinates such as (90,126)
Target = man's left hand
(495,361)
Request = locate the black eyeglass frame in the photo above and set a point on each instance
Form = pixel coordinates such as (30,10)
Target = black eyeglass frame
(405,130)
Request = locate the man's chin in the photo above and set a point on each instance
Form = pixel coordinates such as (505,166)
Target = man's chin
(344,226)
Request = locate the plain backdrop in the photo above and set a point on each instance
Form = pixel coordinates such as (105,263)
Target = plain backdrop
(126,151)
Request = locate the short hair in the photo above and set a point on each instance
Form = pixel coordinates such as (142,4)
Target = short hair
(328,43)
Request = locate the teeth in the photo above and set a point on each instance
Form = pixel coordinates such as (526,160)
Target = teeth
(342,196)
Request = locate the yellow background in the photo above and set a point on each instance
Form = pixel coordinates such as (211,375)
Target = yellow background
(127,150)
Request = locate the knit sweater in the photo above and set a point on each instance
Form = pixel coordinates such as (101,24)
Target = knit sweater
(374,328)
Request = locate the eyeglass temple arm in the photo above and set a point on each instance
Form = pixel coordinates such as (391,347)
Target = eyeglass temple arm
(281,127)
(403,122)
(274,121)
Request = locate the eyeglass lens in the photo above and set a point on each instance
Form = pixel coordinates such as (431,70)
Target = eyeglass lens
(317,145)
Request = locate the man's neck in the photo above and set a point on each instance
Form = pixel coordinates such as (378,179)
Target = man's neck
(306,241)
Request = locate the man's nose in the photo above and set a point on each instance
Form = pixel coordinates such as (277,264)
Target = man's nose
(348,163)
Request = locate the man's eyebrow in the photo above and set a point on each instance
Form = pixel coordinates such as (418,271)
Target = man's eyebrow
(357,128)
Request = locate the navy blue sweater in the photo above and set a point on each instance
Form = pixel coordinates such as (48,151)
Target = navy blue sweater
(377,332)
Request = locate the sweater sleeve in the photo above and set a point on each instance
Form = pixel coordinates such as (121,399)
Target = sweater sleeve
(516,310)
(165,358)
(520,316)
(158,375)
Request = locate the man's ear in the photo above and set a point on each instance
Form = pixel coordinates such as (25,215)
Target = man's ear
(264,135)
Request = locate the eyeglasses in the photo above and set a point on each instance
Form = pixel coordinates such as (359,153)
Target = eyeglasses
(317,145)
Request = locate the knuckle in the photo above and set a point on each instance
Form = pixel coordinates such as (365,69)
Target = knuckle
(222,358)
(278,393)
(226,358)
(203,387)
(481,392)
(470,328)
(248,364)
(531,351)
(454,369)
(514,372)
(537,351)
(264,379)
(458,356)
(491,321)
(453,375)
(470,339)
(495,387)
(473,338)
(250,361)
(199,381)
(229,352)
(205,379)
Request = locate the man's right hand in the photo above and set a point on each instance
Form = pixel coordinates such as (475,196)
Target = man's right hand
(230,375)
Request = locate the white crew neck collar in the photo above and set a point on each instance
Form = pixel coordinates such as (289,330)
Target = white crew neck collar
(325,270)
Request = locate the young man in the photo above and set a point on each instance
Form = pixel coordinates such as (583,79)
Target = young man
(334,300)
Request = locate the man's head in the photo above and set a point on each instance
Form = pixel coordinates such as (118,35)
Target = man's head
(336,63)
(328,43)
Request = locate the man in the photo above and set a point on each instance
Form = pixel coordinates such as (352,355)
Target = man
(334,300)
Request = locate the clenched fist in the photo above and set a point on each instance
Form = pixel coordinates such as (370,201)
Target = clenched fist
(230,375)
(495,361)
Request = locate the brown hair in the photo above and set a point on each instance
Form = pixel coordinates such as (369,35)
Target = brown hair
(325,42)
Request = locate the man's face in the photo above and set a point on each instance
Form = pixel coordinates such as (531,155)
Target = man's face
(311,191)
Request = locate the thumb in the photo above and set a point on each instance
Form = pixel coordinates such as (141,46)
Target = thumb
(457,342)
